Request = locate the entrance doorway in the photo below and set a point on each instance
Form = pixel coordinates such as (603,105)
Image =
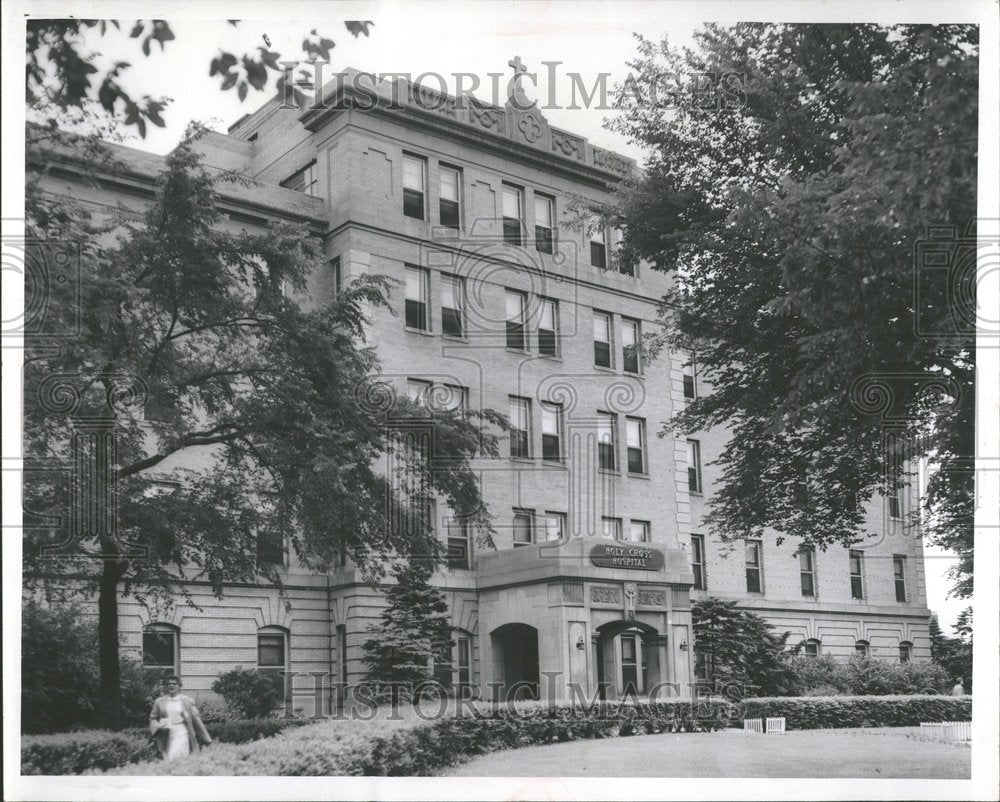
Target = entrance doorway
(628,659)
(515,661)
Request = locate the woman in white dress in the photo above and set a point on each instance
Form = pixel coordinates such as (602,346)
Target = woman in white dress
(175,724)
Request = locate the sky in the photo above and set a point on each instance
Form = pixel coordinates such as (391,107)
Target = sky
(587,38)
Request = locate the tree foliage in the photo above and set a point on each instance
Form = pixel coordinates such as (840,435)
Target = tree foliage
(954,654)
(792,214)
(742,653)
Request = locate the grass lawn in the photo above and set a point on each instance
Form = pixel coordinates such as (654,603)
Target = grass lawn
(855,753)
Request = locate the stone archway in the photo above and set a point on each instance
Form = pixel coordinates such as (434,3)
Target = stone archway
(515,661)
(627,659)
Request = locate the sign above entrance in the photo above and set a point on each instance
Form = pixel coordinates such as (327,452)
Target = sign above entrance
(606,555)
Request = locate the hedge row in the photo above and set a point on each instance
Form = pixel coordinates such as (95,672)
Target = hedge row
(413,747)
(77,752)
(827,712)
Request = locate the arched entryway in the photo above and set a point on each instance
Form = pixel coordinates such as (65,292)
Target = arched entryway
(627,659)
(515,661)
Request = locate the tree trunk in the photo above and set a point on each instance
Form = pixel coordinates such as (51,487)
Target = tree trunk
(110,702)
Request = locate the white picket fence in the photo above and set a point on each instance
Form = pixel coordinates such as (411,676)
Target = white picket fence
(760,726)
(947,730)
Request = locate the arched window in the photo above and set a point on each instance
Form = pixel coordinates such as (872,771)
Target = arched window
(462,661)
(905,651)
(810,647)
(861,648)
(272,656)
(161,647)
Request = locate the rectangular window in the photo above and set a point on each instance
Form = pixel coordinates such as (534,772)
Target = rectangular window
(414,170)
(690,385)
(694,466)
(552,526)
(342,652)
(523,528)
(607,441)
(551,432)
(338,279)
(611,528)
(856,559)
(451,398)
(463,661)
(638,531)
(458,544)
(271,652)
(698,561)
(635,443)
(602,339)
(544,222)
(452,305)
(159,647)
(895,508)
(451,193)
(899,576)
(630,345)
(598,243)
(516,303)
(270,548)
(807,571)
(417,293)
(305,180)
(625,266)
(754,567)
(513,205)
(548,328)
(520,427)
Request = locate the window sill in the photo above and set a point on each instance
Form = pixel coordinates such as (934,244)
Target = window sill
(550,357)
(458,338)
(697,493)
(526,460)
(555,463)
(603,369)
(518,351)
(422,332)
(609,471)
(638,475)
(633,375)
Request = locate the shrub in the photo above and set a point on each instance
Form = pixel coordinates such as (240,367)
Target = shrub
(863,676)
(212,711)
(830,712)
(248,693)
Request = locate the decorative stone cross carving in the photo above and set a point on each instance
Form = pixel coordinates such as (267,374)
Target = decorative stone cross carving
(630,593)
(515,92)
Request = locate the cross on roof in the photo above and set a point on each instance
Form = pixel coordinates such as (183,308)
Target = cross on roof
(518,66)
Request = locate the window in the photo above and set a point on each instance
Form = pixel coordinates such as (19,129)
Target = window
(607,442)
(338,280)
(698,561)
(635,442)
(602,340)
(702,666)
(633,674)
(552,526)
(754,567)
(807,571)
(611,528)
(624,265)
(520,427)
(342,652)
(305,180)
(272,656)
(548,328)
(861,648)
(512,214)
(694,466)
(895,507)
(160,647)
(425,509)
(630,345)
(417,293)
(516,303)
(450,398)
(810,648)
(544,222)
(551,432)
(899,576)
(270,548)
(638,531)
(598,244)
(451,194)
(458,544)
(419,390)
(463,661)
(452,305)
(690,384)
(414,170)
(857,576)
(905,650)
(523,528)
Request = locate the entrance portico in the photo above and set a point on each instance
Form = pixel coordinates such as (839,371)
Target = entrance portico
(605,620)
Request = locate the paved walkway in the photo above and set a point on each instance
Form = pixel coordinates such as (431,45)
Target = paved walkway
(876,753)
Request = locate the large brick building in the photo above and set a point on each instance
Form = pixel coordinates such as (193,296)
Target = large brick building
(505,302)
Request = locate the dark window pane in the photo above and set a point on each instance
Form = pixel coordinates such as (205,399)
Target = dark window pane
(413,203)
(753,580)
(689,393)
(270,650)
(449,213)
(630,359)
(512,230)
(693,480)
(856,592)
(598,255)
(543,239)
(547,342)
(270,548)
(900,591)
(635,460)
(458,552)
(699,581)
(602,354)
(416,315)
(550,447)
(451,322)
(807,585)
(606,453)
(515,335)
(158,649)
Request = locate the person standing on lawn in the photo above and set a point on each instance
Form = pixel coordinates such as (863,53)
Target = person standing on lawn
(175,723)
(959,687)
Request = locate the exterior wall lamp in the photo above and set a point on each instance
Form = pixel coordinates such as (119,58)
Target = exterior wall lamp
(684,645)
(580,643)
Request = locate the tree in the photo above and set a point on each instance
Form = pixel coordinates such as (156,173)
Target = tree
(184,341)
(792,208)
(954,654)
(742,653)
(59,67)
(412,646)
